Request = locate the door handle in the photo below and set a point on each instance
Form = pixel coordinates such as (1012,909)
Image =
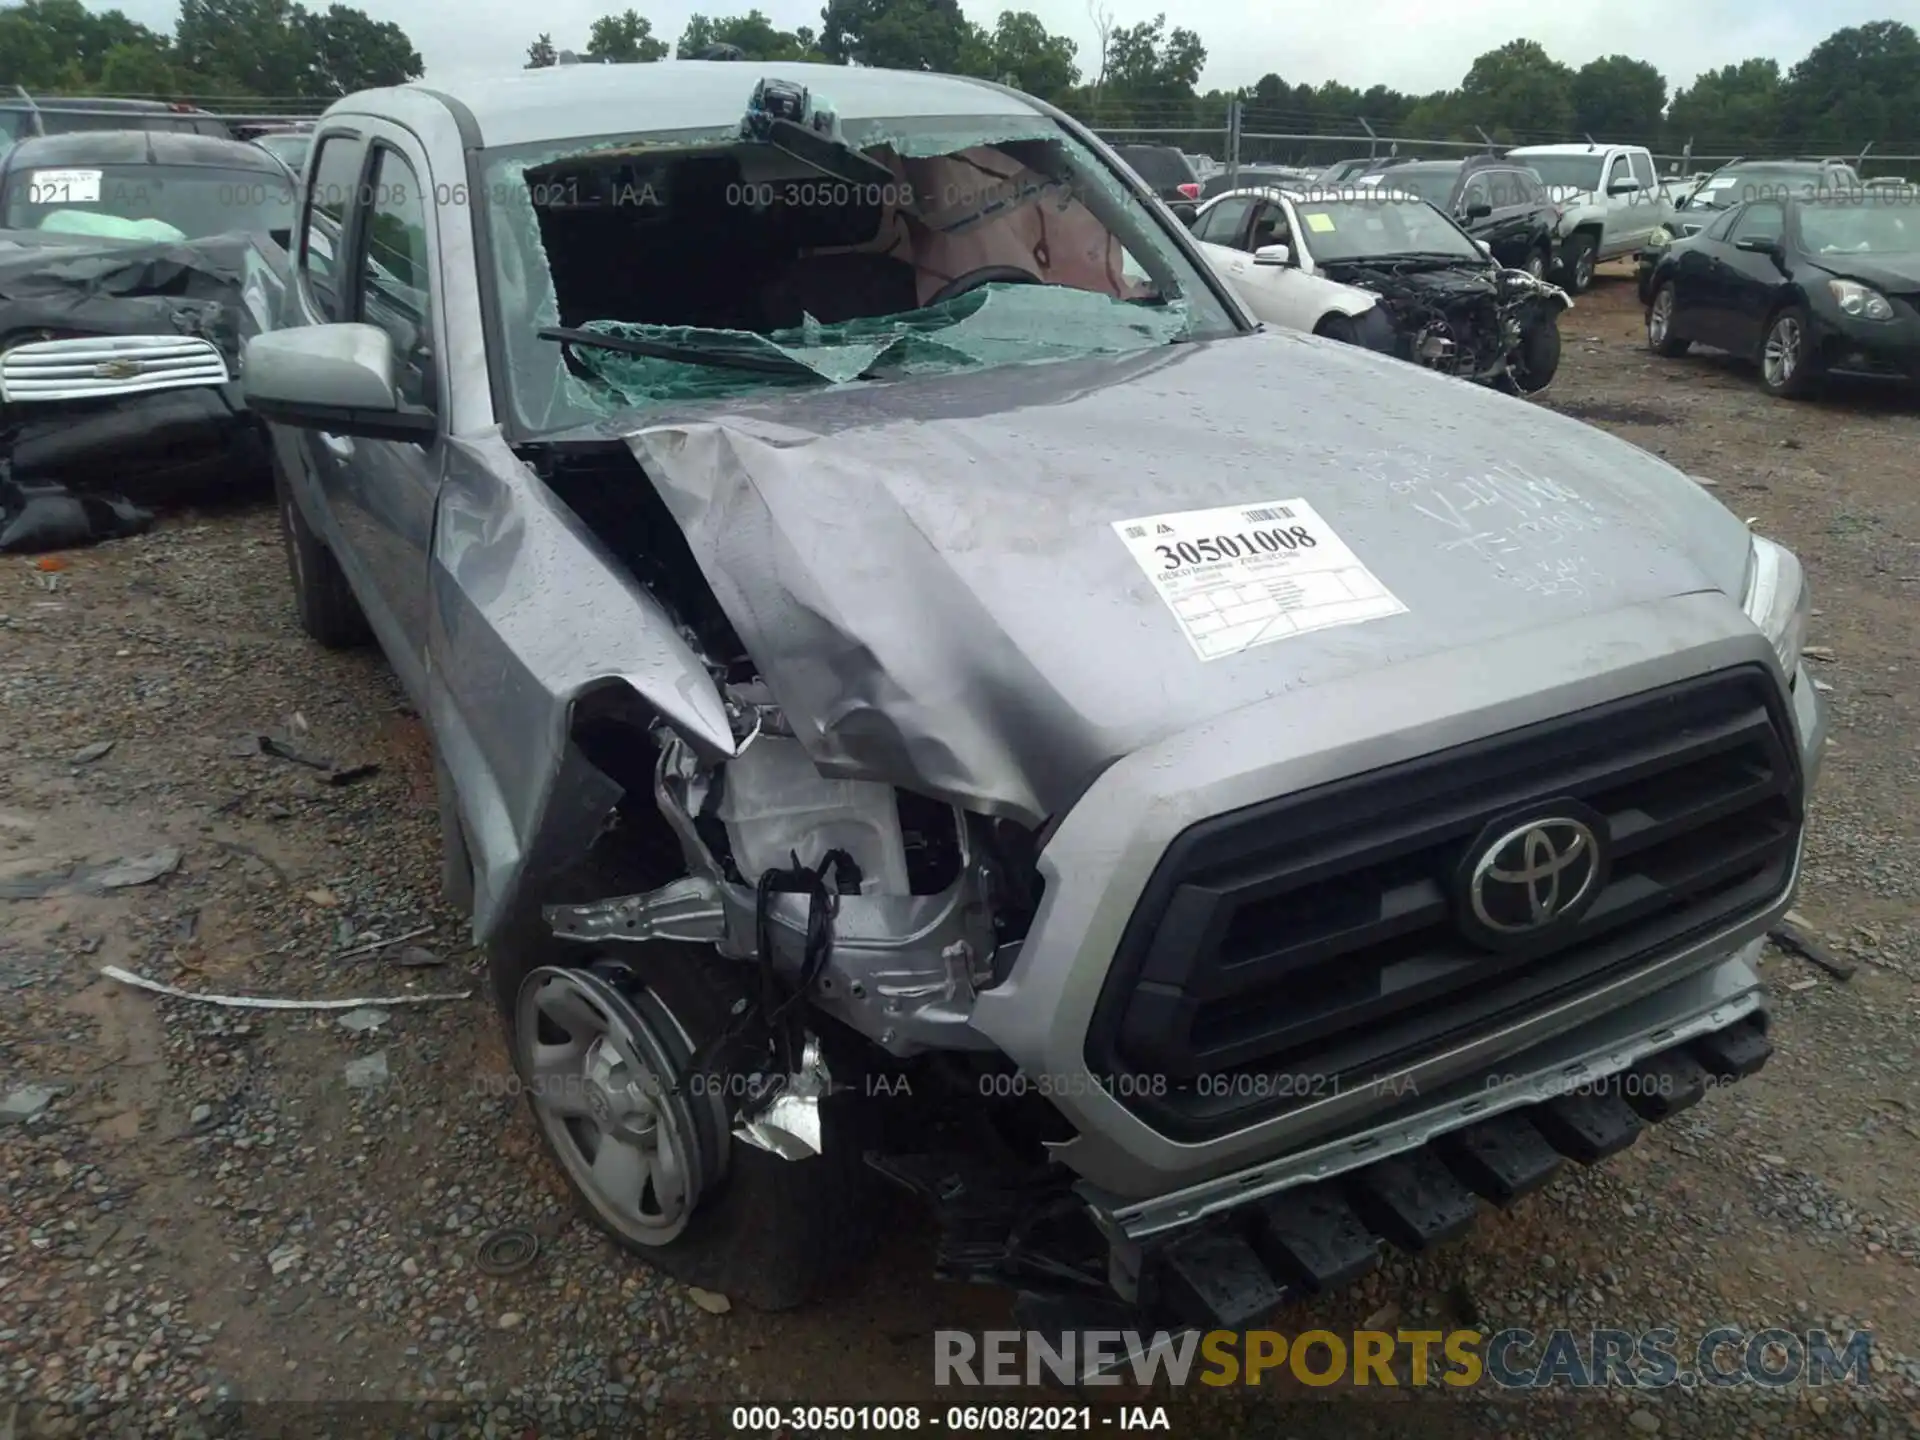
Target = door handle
(340,445)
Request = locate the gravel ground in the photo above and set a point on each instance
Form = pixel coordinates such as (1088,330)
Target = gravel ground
(205,1208)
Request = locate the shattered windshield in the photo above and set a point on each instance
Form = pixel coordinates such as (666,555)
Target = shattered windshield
(1564,172)
(636,270)
(157,202)
(1365,227)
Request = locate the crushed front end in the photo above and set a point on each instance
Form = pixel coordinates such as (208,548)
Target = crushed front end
(119,366)
(1240,1018)
(1479,322)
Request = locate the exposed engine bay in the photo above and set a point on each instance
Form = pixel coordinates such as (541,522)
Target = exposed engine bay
(1484,323)
(885,910)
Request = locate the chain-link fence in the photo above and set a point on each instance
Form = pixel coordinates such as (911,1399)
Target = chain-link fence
(1249,133)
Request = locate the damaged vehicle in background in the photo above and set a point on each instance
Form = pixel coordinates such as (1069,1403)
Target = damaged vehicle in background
(1377,268)
(925,689)
(134,265)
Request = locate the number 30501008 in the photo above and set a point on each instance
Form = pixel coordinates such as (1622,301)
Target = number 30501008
(1245,543)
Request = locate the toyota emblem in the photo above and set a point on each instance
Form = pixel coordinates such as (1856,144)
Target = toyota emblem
(1535,874)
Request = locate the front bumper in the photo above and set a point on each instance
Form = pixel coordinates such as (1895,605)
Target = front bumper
(1883,348)
(1100,861)
(1227,1262)
(149,446)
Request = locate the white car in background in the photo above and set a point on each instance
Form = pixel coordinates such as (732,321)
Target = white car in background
(1255,237)
(1386,270)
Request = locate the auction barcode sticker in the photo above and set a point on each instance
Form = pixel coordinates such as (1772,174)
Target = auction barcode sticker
(63,187)
(1246,575)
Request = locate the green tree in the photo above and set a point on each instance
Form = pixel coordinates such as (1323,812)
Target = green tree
(1861,83)
(140,68)
(901,35)
(258,45)
(1734,108)
(627,36)
(753,34)
(1619,98)
(60,44)
(541,53)
(1147,61)
(1518,91)
(349,51)
(1023,53)
(280,50)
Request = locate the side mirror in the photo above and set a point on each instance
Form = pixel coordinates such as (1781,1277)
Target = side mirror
(337,378)
(1478,211)
(1185,211)
(1273,255)
(1484,248)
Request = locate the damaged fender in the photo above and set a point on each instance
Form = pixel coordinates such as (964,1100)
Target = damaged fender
(519,633)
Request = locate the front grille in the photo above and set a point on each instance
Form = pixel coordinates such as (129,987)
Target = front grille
(1310,944)
(106,366)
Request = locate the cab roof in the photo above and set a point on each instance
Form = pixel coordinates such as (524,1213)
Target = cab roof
(585,101)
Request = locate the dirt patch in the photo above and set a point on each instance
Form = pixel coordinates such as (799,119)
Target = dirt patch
(1615,412)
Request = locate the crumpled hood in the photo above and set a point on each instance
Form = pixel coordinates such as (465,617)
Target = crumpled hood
(83,284)
(929,577)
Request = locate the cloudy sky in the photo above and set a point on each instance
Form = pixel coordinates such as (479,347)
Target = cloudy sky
(1411,45)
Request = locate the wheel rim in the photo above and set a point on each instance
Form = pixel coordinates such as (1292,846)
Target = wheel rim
(1536,266)
(599,1066)
(1583,269)
(1660,317)
(1782,356)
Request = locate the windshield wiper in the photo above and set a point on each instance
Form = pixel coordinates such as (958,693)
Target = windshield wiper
(761,362)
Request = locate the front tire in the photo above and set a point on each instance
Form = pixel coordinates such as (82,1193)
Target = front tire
(1338,327)
(1578,262)
(1535,361)
(602,1043)
(322,599)
(1789,370)
(1661,338)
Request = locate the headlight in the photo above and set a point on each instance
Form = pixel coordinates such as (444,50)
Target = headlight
(1660,238)
(1860,300)
(1778,600)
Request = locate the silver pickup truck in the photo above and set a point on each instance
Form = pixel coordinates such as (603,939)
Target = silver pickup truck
(927,691)
(1611,199)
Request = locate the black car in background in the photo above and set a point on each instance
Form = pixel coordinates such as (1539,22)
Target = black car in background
(1502,204)
(134,266)
(1806,285)
(1732,183)
(1168,173)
